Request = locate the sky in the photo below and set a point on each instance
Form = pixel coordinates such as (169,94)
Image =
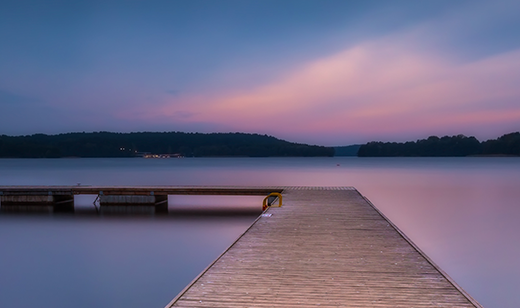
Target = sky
(320,72)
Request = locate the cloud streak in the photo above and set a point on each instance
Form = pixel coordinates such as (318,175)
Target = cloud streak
(373,90)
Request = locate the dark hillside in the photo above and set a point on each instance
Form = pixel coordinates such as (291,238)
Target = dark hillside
(107,144)
(459,145)
(506,145)
(349,150)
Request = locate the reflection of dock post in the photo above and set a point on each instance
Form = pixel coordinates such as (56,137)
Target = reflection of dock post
(161,204)
(145,204)
(64,203)
(37,202)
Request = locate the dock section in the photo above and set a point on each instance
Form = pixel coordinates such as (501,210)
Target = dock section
(325,247)
(61,198)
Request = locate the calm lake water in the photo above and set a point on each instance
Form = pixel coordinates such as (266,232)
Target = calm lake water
(463,212)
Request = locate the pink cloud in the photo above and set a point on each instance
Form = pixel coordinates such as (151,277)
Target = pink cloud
(378,88)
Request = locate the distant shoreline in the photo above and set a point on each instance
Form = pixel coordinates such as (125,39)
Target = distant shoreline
(160,145)
(454,146)
(155,144)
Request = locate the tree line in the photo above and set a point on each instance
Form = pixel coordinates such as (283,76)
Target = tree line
(109,144)
(459,145)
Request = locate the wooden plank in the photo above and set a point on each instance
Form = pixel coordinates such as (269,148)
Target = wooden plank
(139,190)
(326,247)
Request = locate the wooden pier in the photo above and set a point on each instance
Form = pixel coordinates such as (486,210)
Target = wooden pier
(325,247)
(61,198)
(138,190)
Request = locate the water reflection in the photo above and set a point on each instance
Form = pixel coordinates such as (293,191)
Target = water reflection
(177,206)
(115,259)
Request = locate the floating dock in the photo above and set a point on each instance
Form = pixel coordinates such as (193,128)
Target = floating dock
(61,198)
(324,247)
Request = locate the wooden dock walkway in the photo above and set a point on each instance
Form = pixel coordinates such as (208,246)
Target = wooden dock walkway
(138,190)
(325,247)
(61,198)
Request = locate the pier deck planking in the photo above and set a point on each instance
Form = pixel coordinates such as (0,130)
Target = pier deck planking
(139,190)
(323,248)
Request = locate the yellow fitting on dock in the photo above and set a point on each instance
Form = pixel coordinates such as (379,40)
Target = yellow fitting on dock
(274,194)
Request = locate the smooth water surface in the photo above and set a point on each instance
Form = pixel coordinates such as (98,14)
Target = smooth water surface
(463,212)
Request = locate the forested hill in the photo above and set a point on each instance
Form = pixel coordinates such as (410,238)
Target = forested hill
(107,144)
(460,145)
(349,150)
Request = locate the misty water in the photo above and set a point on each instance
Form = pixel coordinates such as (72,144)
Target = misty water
(463,212)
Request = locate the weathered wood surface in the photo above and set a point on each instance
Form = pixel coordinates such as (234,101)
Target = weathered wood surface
(323,248)
(139,190)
